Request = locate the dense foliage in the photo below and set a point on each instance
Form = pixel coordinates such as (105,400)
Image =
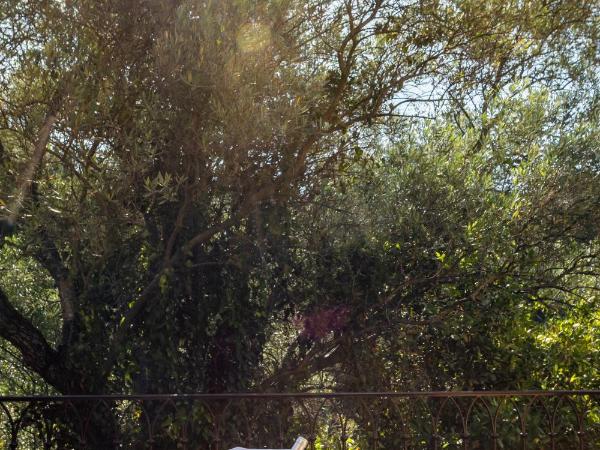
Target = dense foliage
(209,196)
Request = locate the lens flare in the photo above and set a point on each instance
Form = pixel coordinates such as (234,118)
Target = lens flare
(253,37)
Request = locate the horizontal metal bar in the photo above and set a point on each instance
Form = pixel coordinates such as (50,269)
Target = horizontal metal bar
(299,395)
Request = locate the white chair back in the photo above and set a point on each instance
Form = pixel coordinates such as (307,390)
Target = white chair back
(300,444)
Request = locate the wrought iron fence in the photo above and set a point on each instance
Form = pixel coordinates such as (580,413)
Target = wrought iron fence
(340,421)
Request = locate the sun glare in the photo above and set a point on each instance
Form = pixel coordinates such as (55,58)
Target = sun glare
(253,37)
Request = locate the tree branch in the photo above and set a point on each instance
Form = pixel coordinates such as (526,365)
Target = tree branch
(53,263)
(36,352)
(26,178)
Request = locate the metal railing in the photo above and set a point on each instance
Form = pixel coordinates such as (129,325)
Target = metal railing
(338,421)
